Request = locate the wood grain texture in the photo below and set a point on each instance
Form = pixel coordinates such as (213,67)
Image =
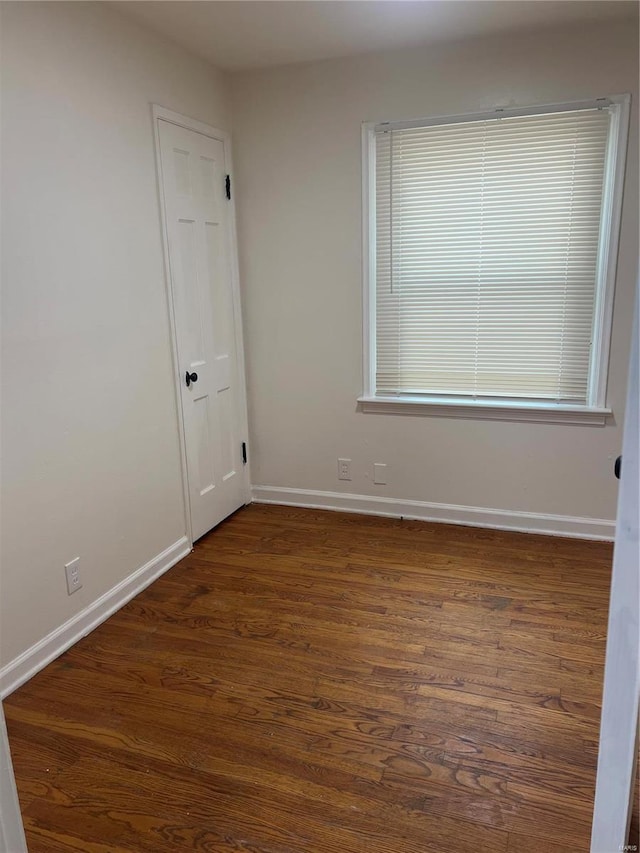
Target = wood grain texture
(315,682)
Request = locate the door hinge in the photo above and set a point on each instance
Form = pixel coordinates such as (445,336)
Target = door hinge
(227,186)
(244,452)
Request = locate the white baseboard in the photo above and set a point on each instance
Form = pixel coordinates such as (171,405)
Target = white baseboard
(472,516)
(22,668)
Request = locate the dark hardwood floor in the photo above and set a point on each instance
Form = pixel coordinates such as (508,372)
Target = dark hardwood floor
(314,682)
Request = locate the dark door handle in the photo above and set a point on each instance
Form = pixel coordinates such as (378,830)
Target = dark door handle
(617,467)
(190,377)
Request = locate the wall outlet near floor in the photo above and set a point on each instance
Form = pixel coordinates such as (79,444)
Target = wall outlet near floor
(380,473)
(344,469)
(72,571)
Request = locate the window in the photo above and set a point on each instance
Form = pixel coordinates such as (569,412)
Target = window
(490,249)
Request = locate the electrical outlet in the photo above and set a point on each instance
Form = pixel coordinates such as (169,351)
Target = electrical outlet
(380,473)
(72,571)
(344,469)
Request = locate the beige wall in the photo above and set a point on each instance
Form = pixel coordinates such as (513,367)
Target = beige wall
(298,179)
(90,455)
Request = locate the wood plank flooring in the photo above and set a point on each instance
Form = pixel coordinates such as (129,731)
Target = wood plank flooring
(315,682)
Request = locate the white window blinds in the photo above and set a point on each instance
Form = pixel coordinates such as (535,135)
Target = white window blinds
(487,244)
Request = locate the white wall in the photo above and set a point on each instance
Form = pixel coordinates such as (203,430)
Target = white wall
(298,179)
(90,454)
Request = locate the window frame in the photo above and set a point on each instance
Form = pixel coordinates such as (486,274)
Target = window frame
(596,410)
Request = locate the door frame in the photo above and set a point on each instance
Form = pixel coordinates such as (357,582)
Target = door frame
(617,746)
(11,827)
(159,112)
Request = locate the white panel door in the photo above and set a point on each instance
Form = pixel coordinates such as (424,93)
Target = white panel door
(198,226)
(618,727)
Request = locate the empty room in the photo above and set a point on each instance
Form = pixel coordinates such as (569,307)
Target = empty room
(319,424)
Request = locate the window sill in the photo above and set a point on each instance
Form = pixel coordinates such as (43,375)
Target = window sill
(485,410)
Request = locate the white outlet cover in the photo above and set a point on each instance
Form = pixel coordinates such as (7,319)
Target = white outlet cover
(380,473)
(344,469)
(72,572)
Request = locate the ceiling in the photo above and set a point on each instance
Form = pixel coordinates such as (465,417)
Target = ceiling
(244,34)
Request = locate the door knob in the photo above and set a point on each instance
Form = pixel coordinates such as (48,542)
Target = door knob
(617,468)
(190,377)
